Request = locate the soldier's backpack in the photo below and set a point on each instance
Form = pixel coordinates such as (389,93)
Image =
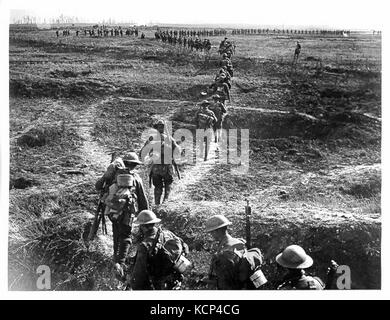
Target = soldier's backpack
(241,268)
(166,254)
(122,199)
(218,109)
(204,120)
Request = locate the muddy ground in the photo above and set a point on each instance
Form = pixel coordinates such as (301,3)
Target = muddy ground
(314,175)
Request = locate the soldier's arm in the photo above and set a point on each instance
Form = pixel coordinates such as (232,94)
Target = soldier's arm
(214,117)
(140,277)
(109,176)
(331,275)
(99,185)
(146,143)
(227,91)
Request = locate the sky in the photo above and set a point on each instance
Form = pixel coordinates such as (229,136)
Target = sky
(346,14)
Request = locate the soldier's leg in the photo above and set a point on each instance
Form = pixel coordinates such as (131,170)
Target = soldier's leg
(168,185)
(115,235)
(207,148)
(158,188)
(124,242)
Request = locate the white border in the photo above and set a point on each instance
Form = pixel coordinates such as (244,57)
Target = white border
(194,295)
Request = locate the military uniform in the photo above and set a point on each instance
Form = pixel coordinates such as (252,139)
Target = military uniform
(162,173)
(219,110)
(121,229)
(205,119)
(146,275)
(209,115)
(302,282)
(296,260)
(224,268)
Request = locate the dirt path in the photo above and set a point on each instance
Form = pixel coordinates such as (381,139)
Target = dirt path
(96,159)
(262,110)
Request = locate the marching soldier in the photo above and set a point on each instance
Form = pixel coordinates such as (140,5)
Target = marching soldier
(151,269)
(227,63)
(205,119)
(221,273)
(295,260)
(219,111)
(161,172)
(297,52)
(121,225)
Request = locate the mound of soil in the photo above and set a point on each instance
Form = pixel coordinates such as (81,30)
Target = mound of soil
(23,183)
(33,138)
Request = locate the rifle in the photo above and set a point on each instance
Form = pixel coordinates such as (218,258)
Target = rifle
(177,169)
(248,212)
(99,217)
(99,213)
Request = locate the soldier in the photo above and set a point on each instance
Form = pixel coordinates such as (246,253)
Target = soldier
(297,52)
(161,173)
(222,45)
(151,270)
(221,88)
(121,226)
(227,63)
(205,119)
(222,272)
(219,110)
(142,35)
(295,260)
(224,75)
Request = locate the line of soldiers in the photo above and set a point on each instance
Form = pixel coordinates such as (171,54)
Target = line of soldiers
(102,32)
(212,113)
(228,272)
(228,47)
(195,33)
(159,261)
(187,42)
(288,31)
(65,33)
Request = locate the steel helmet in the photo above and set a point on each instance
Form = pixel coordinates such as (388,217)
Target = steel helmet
(159,122)
(204,103)
(131,157)
(216,222)
(294,257)
(146,217)
(224,55)
(216,96)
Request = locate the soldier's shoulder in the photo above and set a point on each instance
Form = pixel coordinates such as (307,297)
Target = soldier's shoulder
(310,283)
(287,285)
(136,176)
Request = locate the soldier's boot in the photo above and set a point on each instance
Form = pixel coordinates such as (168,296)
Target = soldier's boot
(119,272)
(157,196)
(168,189)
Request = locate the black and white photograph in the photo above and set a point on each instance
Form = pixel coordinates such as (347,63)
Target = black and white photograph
(193,146)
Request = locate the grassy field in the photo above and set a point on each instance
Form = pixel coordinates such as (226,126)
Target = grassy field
(315,156)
